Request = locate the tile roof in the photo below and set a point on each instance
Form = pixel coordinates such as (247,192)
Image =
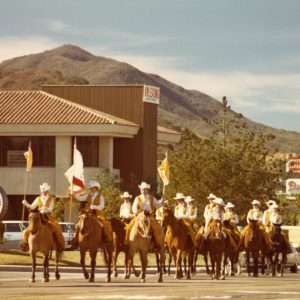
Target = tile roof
(39,107)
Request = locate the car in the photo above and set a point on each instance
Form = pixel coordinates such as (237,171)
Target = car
(12,233)
(293,259)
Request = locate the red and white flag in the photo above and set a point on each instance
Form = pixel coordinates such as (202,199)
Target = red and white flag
(75,174)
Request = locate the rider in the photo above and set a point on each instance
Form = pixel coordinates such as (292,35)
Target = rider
(266,216)
(125,209)
(232,217)
(45,204)
(191,216)
(180,208)
(159,214)
(207,210)
(146,203)
(94,202)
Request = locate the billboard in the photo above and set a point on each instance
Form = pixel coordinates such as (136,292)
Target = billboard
(293,186)
(151,94)
(293,164)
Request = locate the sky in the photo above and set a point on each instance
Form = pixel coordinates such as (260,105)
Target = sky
(246,50)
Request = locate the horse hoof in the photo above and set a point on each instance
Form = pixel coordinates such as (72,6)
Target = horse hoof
(57,276)
(137,273)
(32,280)
(115,274)
(222,277)
(92,280)
(160,280)
(46,279)
(142,280)
(126,276)
(107,280)
(86,275)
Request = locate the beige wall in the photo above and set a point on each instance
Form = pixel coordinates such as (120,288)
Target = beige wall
(106,153)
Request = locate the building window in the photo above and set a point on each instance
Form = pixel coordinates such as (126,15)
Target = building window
(89,148)
(12,150)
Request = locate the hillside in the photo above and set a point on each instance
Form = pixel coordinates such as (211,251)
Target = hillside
(179,107)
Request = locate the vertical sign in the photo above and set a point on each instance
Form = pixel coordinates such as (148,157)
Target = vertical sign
(151,94)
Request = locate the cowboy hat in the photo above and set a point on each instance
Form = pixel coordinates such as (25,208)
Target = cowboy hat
(270,203)
(45,187)
(188,199)
(255,202)
(229,205)
(211,196)
(274,205)
(144,185)
(219,201)
(126,195)
(179,196)
(94,184)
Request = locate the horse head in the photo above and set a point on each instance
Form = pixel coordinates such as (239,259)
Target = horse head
(168,217)
(35,220)
(216,230)
(142,225)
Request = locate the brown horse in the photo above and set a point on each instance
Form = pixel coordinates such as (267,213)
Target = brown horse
(200,249)
(41,239)
(253,243)
(91,238)
(216,245)
(231,258)
(140,241)
(179,243)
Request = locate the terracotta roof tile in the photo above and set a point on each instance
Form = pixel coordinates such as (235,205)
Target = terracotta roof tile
(39,107)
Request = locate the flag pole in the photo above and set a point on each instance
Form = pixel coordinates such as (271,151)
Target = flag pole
(28,157)
(25,192)
(71,198)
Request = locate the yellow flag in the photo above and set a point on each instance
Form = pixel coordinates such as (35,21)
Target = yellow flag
(164,171)
(29,158)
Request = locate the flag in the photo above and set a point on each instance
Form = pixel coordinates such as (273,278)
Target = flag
(75,174)
(29,158)
(164,171)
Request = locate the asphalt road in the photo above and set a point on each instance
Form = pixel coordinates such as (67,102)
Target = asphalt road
(15,285)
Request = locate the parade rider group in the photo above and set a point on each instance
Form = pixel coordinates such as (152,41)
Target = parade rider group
(185,209)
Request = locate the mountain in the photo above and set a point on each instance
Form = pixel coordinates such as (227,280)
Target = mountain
(179,107)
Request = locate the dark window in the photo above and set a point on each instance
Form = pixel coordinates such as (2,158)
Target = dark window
(89,148)
(12,151)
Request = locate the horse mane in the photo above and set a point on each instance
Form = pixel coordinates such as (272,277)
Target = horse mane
(139,227)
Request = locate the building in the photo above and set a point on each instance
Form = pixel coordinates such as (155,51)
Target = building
(115,129)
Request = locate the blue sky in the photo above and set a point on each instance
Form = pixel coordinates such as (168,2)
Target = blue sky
(247,50)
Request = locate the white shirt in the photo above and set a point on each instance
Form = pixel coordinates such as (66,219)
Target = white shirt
(275,218)
(43,209)
(207,213)
(101,205)
(217,213)
(145,203)
(254,214)
(232,217)
(125,210)
(180,211)
(191,212)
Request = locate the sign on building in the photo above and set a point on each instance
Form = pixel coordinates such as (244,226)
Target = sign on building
(151,94)
(293,186)
(293,164)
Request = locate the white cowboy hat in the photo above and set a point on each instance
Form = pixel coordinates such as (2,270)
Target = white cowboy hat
(270,203)
(188,199)
(45,187)
(219,201)
(179,196)
(274,205)
(255,202)
(211,196)
(144,185)
(229,205)
(126,195)
(94,184)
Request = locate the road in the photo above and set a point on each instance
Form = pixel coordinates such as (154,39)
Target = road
(15,285)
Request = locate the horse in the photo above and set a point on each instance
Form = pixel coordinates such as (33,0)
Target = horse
(90,239)
(253,243)
(140,241)
(200,248)
(216,245)
(119,245)
(279,248)
(231,258)
(179,243)
(41,239)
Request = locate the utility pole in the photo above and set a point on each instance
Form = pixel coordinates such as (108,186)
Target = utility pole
(226,107)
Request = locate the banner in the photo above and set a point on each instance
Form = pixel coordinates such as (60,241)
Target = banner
(164,171)
(29,158)
(293,186)
(75,174)
(293,164)
(151,94)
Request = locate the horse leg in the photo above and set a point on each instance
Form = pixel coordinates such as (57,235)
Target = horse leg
(212,260)
(248,262)
(144,260)
(283,262)
(190,265)
(184,265)
(57,259)
(255,260)
(274,264)
(263,261)
(82,262)
(169,263)
(115,259)
(33,256)
(178,264)
(162,260)
(108,250)
(93,255)
(45,265)
(206,263)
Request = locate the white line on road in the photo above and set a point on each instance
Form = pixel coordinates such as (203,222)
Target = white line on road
(144,297)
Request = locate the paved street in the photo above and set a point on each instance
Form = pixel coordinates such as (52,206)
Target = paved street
(15,285)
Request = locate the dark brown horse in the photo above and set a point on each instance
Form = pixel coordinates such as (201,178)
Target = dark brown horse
(200,249)
(41,239)
(91,238)
(279,250)
(253,242)
(179,243)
